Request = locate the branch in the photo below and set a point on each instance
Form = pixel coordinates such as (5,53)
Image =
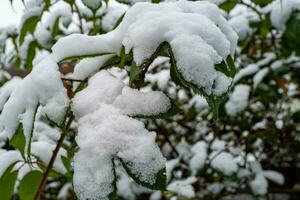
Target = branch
(52,160)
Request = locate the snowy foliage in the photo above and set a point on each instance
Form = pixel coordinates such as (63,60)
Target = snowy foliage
(139,99)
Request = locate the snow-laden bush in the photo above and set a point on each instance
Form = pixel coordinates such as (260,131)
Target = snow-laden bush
(144,100)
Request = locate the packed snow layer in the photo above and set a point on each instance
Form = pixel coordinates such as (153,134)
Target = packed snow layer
(145,26)
(238,100)
(281,12)
(105,132)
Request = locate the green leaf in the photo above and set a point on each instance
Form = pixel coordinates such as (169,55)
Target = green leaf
(228,5)
(134,72)
(291,36)
(31,132)
(213,101)
(28,27)
(29,185)
(55,28)
(7,183)
(31,54)
(113,194)
(262,2)
(19,141)
(160,182)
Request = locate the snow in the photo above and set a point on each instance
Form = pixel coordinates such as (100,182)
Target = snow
(25,47)
(218,145)
(238,100)
(223,162)
(259,76)
(248,70)
(183,187)
(7,158)
(199,102)
(279,124)
(240,25)
(6,90)
(161,78)
(259,185)
(104,132)
(170,166)
(43,36)
(281,11)
(64,192)
(89,66)
(102,88)
(107,133)
(133,102)
(92,4)
(43,151)
(46,133)
(214,43)
(30,92)
(199,151)
(113,12)
(274,176)
(62,11)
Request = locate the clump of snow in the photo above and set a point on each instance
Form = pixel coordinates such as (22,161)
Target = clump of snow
(199,151)
(248,70)
(240,24)
(102,88)
(183,187)
(259,185)
(105,132)
(29,93)
(89,66)
(281,11)
(92,4)
(113,12)
(259,76)
(43,151)
(170,166)
(133,102)
(7,158)
(212,44)
(6,90)
(223,162)
(238,100)
(199,102)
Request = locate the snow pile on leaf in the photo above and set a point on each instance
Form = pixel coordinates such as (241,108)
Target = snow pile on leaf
(281,11)
(199,151)
(106,133)
(43,87)
(181,24)
(259,185)
(183,187)
(238,100)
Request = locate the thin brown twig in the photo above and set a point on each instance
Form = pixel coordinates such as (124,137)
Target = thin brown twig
(52,160)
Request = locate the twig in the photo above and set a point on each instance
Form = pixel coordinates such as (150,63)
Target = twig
(52,160)
(73,80)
